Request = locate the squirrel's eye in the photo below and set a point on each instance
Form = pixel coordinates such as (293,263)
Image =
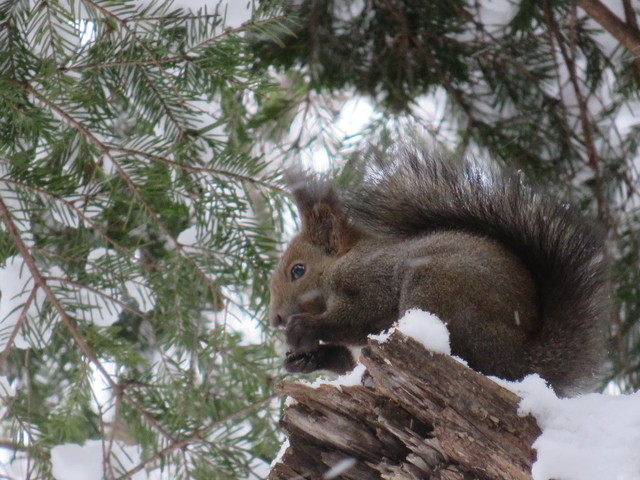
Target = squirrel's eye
(297,271)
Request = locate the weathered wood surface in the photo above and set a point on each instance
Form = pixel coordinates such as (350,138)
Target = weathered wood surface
(421,415)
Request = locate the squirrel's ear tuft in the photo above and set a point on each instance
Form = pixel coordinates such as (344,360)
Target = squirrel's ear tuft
(309,189)
(324,220)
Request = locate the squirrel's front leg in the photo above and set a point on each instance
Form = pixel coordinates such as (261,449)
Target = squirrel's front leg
(335,358)
(344,322)
(305,330)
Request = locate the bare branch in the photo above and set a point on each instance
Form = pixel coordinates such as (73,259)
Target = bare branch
(625,33)
(630,17)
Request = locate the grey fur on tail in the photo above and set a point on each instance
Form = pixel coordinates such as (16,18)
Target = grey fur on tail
(419,191)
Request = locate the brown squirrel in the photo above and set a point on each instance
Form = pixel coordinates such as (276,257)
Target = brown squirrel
(520,280)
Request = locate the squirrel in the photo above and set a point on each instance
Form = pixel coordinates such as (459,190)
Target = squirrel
(520,280)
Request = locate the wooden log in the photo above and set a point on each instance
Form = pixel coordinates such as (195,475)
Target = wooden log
(418,415)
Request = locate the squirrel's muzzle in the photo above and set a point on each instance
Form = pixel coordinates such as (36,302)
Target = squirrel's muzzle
(277,321)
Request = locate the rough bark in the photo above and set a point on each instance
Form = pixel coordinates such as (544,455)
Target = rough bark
(419,415)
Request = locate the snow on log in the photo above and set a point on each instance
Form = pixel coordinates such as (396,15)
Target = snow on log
(418,415)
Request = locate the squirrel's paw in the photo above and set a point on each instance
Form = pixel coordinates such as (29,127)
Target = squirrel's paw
(302,362)
(334,358)
(300,332)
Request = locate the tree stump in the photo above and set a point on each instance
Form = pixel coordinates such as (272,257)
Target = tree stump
(419,415)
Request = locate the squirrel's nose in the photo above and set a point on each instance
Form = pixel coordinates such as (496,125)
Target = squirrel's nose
(277,321)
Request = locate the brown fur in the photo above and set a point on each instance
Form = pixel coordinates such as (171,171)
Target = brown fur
(508,291)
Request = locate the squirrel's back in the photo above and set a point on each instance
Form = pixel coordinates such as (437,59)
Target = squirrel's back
(418,192)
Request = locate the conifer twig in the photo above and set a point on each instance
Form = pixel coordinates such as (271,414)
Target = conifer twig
(18,326)
(625,33)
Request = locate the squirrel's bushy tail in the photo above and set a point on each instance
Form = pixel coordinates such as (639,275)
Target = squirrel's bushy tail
(421,191)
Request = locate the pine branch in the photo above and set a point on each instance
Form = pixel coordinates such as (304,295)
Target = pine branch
(625,33)
(197,436)
(95,227)
(178,124)
(184,57)
(584,116)
(200,169)
(106,151)
(9,445)
(39,282)
(101,293)
(86,165)
(18,325)
(173,18)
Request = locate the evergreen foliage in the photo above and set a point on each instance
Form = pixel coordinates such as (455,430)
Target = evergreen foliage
(129,197)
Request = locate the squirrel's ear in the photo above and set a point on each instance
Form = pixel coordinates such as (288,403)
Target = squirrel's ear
(324,220)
